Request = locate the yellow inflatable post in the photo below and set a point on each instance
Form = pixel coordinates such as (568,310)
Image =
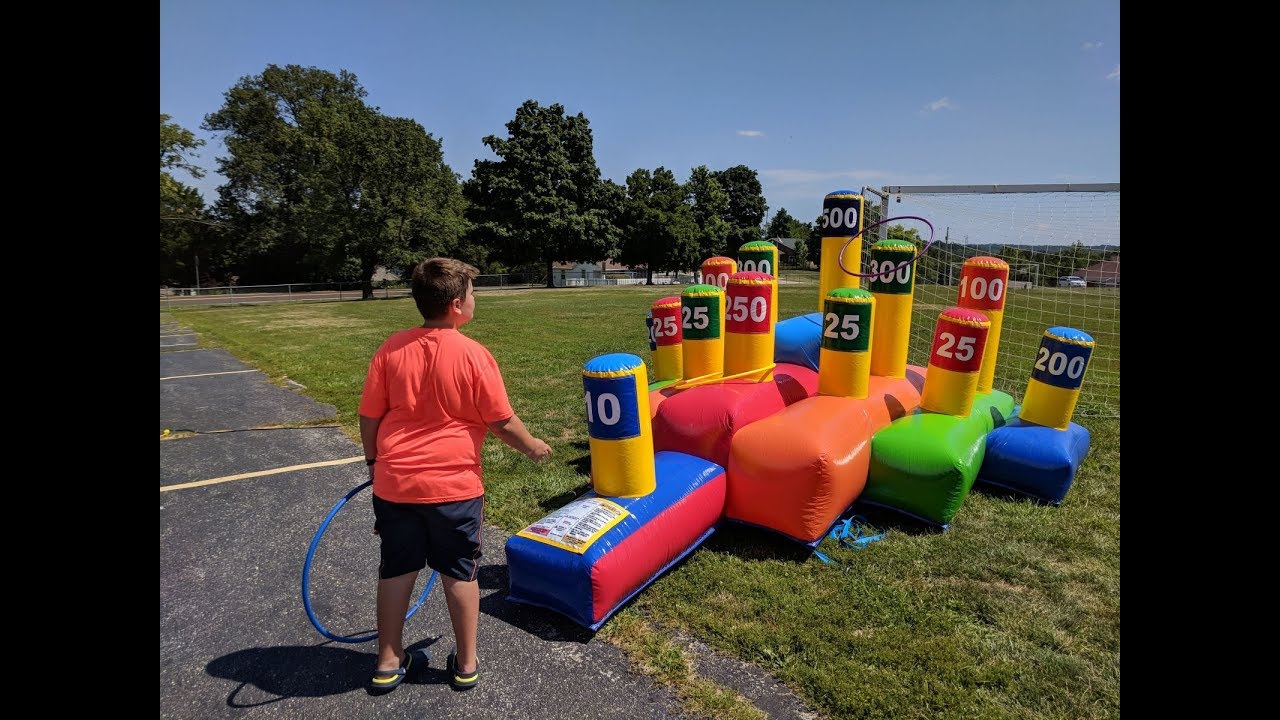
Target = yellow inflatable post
(893,286)
(841,218)
(616,391)
(984,282)
(716,271)
(959,340)
(749,328)
(666,339)
(1056,377)
(761,256)
(844,361)
(702,314)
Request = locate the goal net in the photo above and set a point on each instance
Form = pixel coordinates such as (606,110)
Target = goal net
(1062,244)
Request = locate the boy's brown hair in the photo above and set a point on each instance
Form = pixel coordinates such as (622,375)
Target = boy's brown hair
(439,281)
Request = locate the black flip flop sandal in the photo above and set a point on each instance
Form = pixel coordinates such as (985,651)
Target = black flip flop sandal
(384,681)
(459,680)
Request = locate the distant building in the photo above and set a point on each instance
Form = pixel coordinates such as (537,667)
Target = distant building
(787,256)
(1103,274)
(600,273)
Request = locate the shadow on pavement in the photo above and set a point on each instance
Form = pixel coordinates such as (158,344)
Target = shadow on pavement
(306,671)
(536,621)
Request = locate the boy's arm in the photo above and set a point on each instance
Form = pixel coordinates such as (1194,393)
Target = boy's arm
(513,432)
(369,438)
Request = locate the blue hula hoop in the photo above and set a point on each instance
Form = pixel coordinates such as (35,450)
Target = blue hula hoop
(306,578)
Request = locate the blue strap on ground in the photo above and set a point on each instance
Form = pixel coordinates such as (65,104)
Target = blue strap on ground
(854,533)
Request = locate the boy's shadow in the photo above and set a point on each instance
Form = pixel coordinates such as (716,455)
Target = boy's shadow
(304,671)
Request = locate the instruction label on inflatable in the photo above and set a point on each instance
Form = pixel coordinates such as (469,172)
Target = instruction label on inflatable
(577,525)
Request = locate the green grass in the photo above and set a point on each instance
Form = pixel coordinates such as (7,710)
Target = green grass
(1014,612)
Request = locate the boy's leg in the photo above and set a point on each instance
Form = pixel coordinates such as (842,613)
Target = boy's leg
(456,534)
(402,529)
(393,603)
(463,598)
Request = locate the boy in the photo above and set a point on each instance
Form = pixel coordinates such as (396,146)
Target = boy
(429,396)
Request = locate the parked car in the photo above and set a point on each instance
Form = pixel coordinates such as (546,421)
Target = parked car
(1071,281)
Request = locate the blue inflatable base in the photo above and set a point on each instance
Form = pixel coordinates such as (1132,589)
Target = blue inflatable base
(657,530)
(1032,460)
(596,625)
(798,340)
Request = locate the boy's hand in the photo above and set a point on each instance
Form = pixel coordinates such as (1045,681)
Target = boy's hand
(540,451)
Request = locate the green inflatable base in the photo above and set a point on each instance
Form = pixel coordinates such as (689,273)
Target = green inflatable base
(924,464)
(659,384)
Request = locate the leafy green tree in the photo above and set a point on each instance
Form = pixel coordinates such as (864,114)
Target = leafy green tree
(747,206)
(781,225)
(181,206)
(411,203)
(1071,260)
(1023,265)
(543,201)
(181,232)
(813,247)
(658,226)
(321,185)
(710,204)
(176,142)
(801,252)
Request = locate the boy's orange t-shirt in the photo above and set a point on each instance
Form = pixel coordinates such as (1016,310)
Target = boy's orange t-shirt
(436,391)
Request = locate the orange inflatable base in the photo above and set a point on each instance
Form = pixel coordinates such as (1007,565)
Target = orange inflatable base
(700,421)
(795,472)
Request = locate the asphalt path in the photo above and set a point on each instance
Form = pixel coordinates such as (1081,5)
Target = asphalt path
(240,502)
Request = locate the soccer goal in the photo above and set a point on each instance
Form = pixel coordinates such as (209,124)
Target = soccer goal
(1062,244)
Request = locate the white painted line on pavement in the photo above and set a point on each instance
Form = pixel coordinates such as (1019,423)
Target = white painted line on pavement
(260,473)
(229,372)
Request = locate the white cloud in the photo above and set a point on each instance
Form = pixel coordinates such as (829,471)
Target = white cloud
(1091,45)
(939,104)
(751,133)
(1114,74)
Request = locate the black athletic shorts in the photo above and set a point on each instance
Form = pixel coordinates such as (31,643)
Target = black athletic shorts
(445,536)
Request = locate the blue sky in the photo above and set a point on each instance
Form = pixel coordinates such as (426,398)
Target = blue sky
(815,96)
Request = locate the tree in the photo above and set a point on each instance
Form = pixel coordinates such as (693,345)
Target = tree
(710,203)
(780,225)
(408,202)
(322,186)
(932,266)
(747,206)
(1070,260)
(543,201)
(181,206)
(801,253)
(783,225)
(813,248)
(174,139)
(658,227)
